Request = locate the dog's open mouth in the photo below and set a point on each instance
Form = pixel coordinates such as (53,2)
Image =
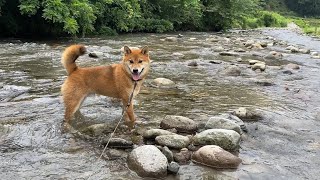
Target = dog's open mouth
(136,75)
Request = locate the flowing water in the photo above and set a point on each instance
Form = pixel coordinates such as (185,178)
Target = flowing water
(285,144)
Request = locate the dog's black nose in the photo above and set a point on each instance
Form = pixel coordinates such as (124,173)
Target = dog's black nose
(135,71)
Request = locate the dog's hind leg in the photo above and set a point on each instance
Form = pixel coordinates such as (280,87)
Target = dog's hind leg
(72,102)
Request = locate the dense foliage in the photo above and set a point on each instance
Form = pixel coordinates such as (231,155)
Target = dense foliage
(82,17)
(305,7)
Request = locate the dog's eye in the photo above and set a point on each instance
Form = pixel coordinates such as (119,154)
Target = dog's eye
(140,61)
(131,61)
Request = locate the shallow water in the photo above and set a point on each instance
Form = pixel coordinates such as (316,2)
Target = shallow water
(284,144)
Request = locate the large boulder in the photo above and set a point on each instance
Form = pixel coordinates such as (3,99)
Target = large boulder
(215,156)
(222,123)
(148,161)
(227,139)
(173,141)
(180,123)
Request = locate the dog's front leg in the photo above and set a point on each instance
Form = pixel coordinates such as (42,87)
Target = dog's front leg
(129,114)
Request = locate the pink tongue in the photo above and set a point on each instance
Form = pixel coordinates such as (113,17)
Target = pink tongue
(135,77)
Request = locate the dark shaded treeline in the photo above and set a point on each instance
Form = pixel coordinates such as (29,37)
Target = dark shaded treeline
(52,18)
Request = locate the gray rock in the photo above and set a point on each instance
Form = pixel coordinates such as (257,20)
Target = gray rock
(116,154)
(98,129)
(304,51)
(183,157)
(239,50)
(173,167)
(180,123)
(216,157)
(264,82)
(252,62)
(117,143)
(314,53)
(261,66)
(153,133)
(95,54)
(173,141)
(193,63)
(236,120)
(247,114)
(231,71)
(248,43)
(171,39)
(148,161)
(294,49)
(227,139)
(218,49)
(215,62)
(222,123)
(163,82)
(292,66)
(169,155)
(227,53)
(274,55)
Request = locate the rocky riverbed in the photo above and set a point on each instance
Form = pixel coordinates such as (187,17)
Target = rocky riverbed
(258,87)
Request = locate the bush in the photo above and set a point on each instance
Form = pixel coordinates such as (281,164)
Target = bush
(271,19)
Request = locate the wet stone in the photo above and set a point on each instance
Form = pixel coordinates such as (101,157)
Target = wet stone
(98,129)
(180,123)
(117,143)
(173,141)
(247,114)
(95,54)
(182,157)
(171,39)
(173,167)
(227,139)
(292,66)
(261,66)
(222,123)
(148,161)
(160,82)
(231,71)
(153,133)
(193,63)
(168,153)
(216,157)
(215,62)
(226,53)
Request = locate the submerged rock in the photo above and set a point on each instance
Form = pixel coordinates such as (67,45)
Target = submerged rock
(193,63)
(153,133)
(216,157)
(222,123)
(292,66)
(227,53)
(227,139)
(98,129)
(180,123)
(118,143)
(148,161)
(171,39)
(173,141)
(231,71)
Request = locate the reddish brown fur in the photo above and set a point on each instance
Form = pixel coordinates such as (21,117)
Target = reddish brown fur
(113,80)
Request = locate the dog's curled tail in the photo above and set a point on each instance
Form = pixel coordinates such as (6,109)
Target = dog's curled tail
(70,55)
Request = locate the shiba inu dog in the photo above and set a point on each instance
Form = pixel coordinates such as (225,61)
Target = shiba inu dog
(116,80)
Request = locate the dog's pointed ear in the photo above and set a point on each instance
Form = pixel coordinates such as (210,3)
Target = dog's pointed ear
(126,50)
(145,50)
